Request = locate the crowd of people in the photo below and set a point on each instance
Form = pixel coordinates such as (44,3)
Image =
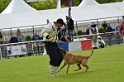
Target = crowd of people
(18,37)
(117,31)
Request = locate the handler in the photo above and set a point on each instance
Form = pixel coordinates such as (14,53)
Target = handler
(121,28)
(50,38)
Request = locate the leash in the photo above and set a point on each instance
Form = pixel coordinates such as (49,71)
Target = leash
(56,33)
(62,29)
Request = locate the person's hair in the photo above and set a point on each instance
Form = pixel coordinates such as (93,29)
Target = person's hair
(122,16)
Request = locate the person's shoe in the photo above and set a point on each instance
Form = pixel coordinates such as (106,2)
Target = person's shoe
(53,70)
(54,74)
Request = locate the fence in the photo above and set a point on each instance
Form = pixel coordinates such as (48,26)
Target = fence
(37,47)
(111,38)
(21,49)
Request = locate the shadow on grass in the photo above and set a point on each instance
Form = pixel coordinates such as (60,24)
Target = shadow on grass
(76,73)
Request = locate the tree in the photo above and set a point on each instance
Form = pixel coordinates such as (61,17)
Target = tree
(108,1)
(47,4)
(3,4)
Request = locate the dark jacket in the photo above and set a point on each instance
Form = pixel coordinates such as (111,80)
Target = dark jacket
(70,24)
(13,40)
(1,36)
(87,31)
(109,29)
(36,37)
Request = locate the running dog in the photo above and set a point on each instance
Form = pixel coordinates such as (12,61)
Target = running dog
(70,58)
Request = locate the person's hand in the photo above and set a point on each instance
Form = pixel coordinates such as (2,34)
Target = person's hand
(67,40)
(50,36)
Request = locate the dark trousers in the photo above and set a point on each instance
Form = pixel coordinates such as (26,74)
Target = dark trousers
(70,34)
(54,53)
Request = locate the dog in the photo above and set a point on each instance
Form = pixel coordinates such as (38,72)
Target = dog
(70,58)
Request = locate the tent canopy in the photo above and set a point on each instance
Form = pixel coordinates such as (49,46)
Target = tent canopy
(18,13)
(86,12)
(18,6)
(34,17)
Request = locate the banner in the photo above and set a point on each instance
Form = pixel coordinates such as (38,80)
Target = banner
(16,50)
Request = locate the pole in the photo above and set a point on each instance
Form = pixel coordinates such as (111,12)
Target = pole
(0,54)
(69,10)
(33,30)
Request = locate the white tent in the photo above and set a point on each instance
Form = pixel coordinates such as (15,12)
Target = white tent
(86,12)
(88,2)
(18,13)
(18,6)
(78,14)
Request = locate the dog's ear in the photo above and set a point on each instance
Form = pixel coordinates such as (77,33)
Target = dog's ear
(63,51)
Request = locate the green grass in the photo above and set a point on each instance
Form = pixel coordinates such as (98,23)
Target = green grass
(106,65)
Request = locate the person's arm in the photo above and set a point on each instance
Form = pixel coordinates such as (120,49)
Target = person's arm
(45,32)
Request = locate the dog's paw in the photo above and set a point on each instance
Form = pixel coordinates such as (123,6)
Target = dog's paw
(77,69)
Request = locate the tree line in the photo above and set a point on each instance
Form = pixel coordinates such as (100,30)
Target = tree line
(49,4)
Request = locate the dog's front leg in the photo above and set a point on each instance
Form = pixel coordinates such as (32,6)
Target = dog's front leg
(67,68)
(62,66)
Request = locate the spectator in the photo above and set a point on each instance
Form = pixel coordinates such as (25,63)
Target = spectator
(70,24)
(18,33)
(93,26)
(117,29)
(21,38)
(1,37)
(89,30)
(4,51)
(121,28)
(36,44)
(108,28)
(6,41)
(35,36)
(94,38)
(104,24)
(13,39)
(117,34)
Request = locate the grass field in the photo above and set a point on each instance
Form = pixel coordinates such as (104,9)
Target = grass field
(106,65)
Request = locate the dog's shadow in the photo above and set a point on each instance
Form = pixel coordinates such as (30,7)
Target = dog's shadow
(76,73)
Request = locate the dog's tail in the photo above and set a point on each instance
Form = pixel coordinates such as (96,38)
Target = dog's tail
(91,53)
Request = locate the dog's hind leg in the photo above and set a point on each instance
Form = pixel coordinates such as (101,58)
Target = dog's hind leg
(84,63)
(79,67)
(62,66)
(87,67)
